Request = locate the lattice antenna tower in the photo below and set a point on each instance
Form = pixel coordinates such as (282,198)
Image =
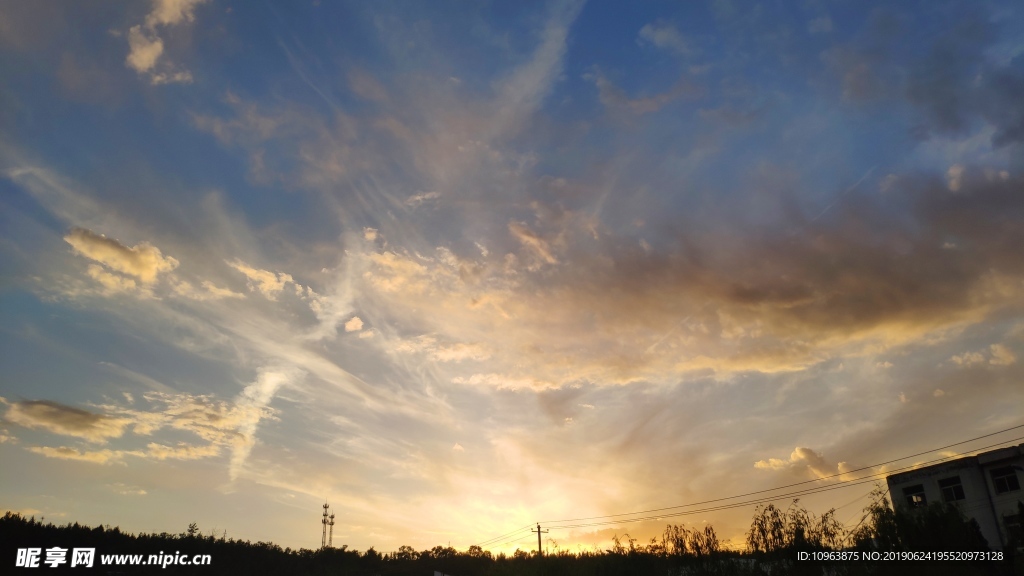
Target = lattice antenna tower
(330,533)
(323,537)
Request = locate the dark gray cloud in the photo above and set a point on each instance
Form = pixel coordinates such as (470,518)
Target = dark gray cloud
(954,80)
(942,84)
(1002,103)
(875,259)
(65,420)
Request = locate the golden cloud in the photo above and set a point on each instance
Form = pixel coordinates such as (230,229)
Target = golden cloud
(268,283)
(95,456)
(144,261)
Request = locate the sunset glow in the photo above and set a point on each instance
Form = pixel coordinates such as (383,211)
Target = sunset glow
(460,268)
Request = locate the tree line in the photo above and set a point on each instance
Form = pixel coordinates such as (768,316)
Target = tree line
(772,545)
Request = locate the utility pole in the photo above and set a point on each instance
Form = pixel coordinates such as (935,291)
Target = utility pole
(539,532)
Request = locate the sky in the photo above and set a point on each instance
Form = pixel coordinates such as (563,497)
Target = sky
(459,267)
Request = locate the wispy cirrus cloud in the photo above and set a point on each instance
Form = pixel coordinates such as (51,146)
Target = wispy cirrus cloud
(223,426)
(616,100)
(665,36)
(127,490)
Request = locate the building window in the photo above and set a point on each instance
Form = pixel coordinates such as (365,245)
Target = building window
(1014,534)
(915,495)
(952,489)
(1005,480)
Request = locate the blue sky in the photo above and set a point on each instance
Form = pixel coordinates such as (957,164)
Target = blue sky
(458,267)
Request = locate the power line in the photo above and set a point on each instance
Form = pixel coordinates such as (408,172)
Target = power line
(490,540)
(743,504)
(861,497)
(858,498)
(787,485)
(513,540)
(802,492)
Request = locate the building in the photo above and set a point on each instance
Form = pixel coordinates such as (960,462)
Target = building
(986,487)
